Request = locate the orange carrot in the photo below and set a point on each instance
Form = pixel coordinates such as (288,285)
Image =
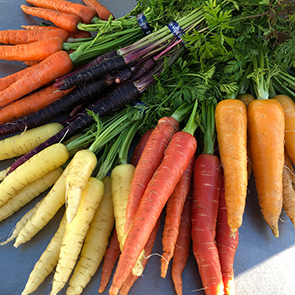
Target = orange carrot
(150,159)
(35,51)
(148,250)
(30,103)
(61,19)
(231,128)
(266,125)
(38,27)
(173,216)
(83,12)
(56,65)
(182,246)
(8,80)
(246,98)
(100,9)
(80,34)
(29,36)
(289,109)
(110,258)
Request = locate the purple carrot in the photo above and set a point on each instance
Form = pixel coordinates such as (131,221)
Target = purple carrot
(66,104)
(143,68)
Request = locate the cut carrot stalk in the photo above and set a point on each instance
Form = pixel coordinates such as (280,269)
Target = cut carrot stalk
(102,12)
(182,247)
(178,154)
(231,127)
(57,64)
(35,51)
(83,12)
(62,20)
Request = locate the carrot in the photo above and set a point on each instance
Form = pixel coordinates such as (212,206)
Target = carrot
(179,152)
(102,12)
(39,27)
(246,98)
(149,161)
(35,51)
(148,250)
(49,159)
(75,233)
(8,80)
(110,258)
(80,169)
(95,243)
(289,108)
(139,147)
(31,103)
(182,246)
(49,205)
(174,208)
(62,20)
(29,36)
(57,64)
(28,193)
(266,135)
(289,189)
(83,12)
(226,244)
(20,144)
(47,261)
(231,128)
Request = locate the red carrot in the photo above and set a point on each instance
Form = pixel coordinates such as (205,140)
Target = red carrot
(178,154)
(110,258)
(57,64)
(182,246)
(62,20)
(206,189)
(10,79)
(35,51)
(100,9)
(31,103)
(83,12)
(148,250)
(227,245)
(139,147)
(29,36)
(173,216)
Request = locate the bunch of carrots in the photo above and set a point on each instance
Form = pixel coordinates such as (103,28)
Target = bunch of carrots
(192,167)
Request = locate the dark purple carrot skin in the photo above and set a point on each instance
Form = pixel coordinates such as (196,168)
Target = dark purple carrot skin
(123,95)
(123,75)
(143,68)
(109,65)
(65,104)
(112,53)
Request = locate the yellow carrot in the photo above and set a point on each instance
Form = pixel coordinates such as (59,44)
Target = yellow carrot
(36,167)
(29,192)
(47,261)
(50,204)
(80,169)
(95,243)
(20,144)
(75,233)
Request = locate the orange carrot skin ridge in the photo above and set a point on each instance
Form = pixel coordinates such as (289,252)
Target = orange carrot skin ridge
(231,129)
(29,36)
(206,190)
(266,136)
(60,19)
(102,12)
(149,161)
(139,147)
(182,247)
(56,65)
(110,258)
(35,51)
(153,201)
(83,12)
(31,103)
(148,250)
(227,245)
(10,79)
(174,208)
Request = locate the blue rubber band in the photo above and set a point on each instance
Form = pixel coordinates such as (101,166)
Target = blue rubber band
(145,26)
(176,30)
